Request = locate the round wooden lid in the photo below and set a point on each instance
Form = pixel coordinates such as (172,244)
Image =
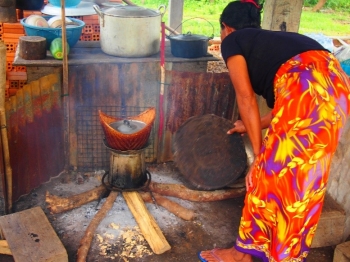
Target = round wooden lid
(206,155)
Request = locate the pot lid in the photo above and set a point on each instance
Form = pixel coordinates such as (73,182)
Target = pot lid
(128,126)
(207,157)
(189,37)
(111,4)
(130,11)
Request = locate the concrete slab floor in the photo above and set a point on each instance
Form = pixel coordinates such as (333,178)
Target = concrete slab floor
(215,224)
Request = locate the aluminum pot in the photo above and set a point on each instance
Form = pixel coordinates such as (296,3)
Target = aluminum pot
(129,31)
(189,45)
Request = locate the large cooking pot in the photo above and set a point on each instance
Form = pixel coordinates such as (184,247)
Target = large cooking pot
(130,31)
(189,45)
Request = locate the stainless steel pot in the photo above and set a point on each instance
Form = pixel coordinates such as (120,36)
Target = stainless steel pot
(130,31)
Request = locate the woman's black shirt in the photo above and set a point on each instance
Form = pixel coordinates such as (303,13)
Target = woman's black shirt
(265,51)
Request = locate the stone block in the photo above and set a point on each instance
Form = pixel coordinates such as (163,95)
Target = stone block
(331,225)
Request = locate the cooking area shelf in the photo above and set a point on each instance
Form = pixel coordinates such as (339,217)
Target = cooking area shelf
(85,52)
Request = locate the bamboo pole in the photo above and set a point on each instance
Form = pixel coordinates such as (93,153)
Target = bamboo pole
(162,80)
(65,85)
(5,146)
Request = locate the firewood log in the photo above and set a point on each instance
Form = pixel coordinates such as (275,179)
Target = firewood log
(85,242)
(32,47)
(182,192)
(61,204)
(147,224)
(171,206)
(58,204)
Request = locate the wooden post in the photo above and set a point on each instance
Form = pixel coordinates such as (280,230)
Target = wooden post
(176,14)
(8,11)
(65,87)
(282,15)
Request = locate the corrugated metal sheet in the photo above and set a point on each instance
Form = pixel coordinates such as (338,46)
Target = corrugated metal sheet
(128,89)
(36,123)
(35,132)
(190,94)
(119,90)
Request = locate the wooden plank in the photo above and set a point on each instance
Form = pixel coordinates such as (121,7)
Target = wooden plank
(4,248)
(342,252)
(31,237)
(148,226)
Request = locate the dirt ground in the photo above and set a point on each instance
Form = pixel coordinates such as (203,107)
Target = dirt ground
(118,238)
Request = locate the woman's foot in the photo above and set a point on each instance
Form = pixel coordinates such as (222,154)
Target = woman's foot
(224,255)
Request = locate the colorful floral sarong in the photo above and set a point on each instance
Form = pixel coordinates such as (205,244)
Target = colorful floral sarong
(282,209)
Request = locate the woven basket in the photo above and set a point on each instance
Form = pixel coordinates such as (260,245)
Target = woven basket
(120,141)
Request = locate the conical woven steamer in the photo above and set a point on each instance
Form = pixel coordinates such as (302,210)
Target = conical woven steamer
(120,141)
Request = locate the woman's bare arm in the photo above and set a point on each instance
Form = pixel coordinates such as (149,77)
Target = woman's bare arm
(247,104)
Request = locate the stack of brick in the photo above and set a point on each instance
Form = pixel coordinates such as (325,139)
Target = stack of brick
(16,76)
(91,30)
(214,45)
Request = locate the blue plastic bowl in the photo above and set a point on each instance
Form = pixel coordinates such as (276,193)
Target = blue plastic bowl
(67,3)
(73,33)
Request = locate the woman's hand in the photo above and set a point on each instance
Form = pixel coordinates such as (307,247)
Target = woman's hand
(238,127)
(249,176)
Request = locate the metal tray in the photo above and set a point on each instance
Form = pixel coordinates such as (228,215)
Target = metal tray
(206,156)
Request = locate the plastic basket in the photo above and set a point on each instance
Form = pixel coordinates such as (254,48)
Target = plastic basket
(120,141)
(73,33)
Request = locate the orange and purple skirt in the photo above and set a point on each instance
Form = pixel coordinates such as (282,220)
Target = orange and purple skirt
(281,212)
